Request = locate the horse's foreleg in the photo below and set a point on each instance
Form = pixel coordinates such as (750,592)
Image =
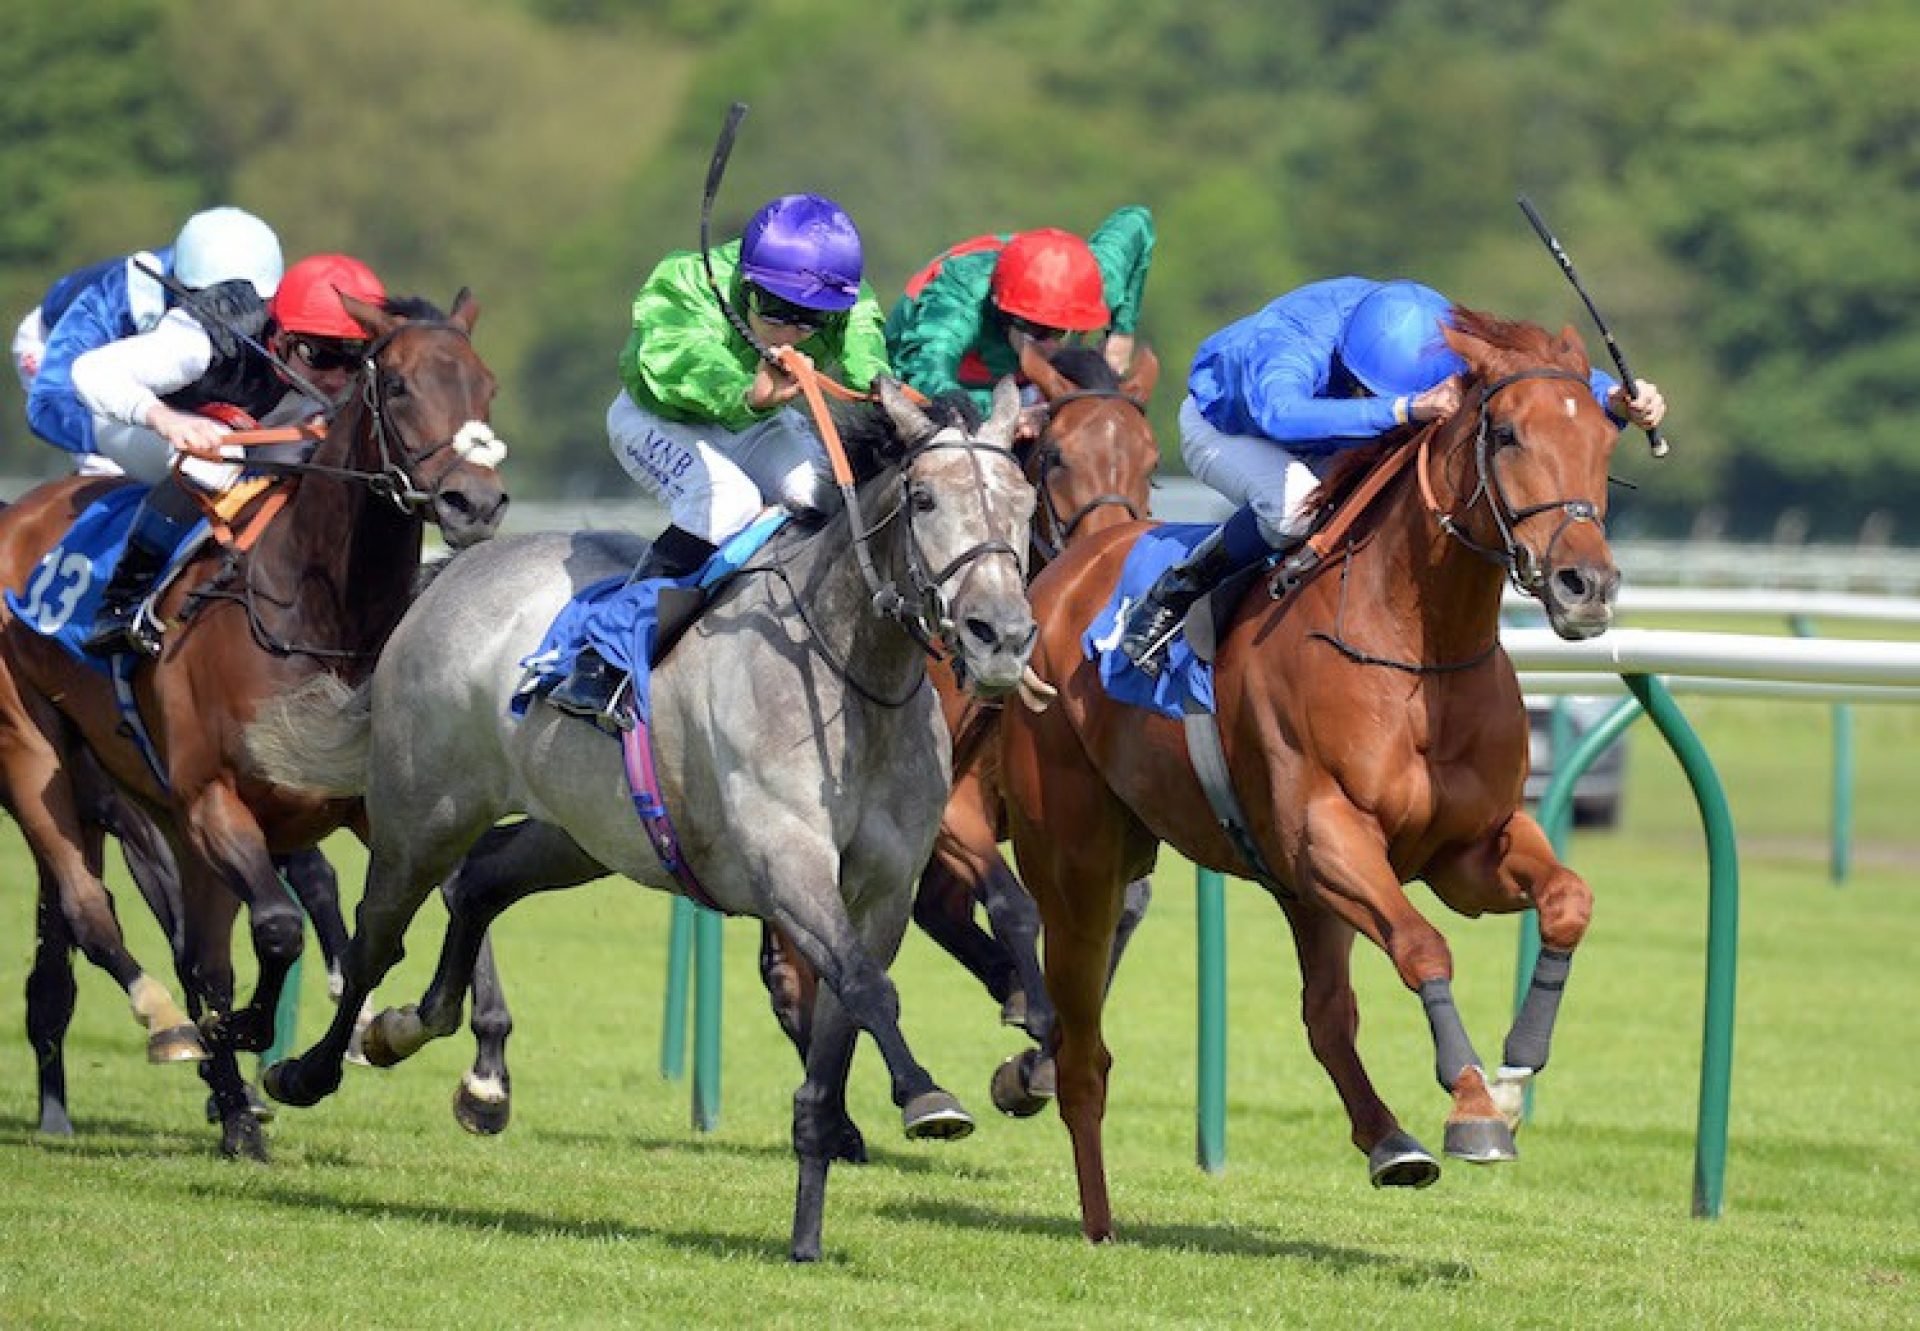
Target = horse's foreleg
(222,832)
(822,1130)
(1343,862)
(1324,943)
(1509,871)
(809,910)
(210,912)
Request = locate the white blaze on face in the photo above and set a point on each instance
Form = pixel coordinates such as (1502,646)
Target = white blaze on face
(476,442)
(1573,408)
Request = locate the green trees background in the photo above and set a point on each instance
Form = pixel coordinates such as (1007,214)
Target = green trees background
(1739,180)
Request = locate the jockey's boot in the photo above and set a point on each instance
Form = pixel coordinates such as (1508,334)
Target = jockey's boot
(124,623)
(592,688)
(1158,615)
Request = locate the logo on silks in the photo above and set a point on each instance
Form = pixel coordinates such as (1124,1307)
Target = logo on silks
(62,597)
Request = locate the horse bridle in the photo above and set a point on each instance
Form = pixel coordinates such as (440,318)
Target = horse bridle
(1049,459)
(926,612)
(1525,570)
(393,481)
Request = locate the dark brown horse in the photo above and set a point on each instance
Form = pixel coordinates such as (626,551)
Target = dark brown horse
(1092,467)
(1373,733)
(319,592)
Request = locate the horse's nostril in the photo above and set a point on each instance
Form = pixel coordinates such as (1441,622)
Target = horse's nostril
(982,632)
(458,502)
(1573,584)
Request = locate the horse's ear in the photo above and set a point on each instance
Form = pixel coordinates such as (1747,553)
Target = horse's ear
(1005,413)
(1040,372)
(372,318)
(1572,347)
(466,310)
(1143,374)
(1476,353)
(909,422)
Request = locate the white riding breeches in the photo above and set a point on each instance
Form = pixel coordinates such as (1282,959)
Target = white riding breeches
(1251,470)
(715,481)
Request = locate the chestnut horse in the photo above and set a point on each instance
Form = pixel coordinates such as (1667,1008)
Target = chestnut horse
(1091,467)
(1373,733)
(318,593)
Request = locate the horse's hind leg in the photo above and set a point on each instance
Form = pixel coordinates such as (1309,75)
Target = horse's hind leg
(1325,947)
(317,888)
(40,792)
(1510,871)
(51,992)
(791,986)
(504,866)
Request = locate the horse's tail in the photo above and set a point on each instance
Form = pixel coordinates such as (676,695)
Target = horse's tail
(315,738)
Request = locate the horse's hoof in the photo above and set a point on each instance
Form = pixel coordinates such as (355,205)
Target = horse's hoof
(482,1105)
(241,1138)
(1509,1091)
(1398,1161)
(1481,1141)
(176,1044)
(287,1083)
(935,1114)
(393,1036)
(1023,1085)
(258,1105)
(54,1122)
(1013,1012)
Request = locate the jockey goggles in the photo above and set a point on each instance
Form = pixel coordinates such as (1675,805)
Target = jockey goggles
(325,353)
(785,314)
(1038,332)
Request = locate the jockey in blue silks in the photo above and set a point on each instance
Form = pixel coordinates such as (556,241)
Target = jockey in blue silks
(1273,398)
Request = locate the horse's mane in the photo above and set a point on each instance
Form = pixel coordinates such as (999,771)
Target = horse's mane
(874,446)
(1086,367)
(1521,342)
(417,308)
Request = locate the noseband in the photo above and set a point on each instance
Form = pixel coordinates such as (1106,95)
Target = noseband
(1527,572)
(1049,459)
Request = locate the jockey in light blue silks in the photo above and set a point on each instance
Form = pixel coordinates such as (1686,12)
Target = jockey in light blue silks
(1273,398)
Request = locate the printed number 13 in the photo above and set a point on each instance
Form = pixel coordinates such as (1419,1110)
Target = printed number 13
(55,590)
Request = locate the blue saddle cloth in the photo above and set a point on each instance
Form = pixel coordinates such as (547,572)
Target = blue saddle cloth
(619,619)
(1182,674)
(62,597)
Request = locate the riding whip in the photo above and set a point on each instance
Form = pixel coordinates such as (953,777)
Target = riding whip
(1654,440)
(298,380)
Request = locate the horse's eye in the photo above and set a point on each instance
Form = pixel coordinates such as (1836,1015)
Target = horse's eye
(1502,435)
(393,386)
(922,499)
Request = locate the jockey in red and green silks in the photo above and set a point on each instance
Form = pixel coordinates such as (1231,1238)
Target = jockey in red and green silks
(966,314)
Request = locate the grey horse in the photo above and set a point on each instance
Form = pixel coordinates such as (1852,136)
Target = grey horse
(800,752)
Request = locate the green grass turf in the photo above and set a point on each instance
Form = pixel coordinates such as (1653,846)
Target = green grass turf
(600,1206)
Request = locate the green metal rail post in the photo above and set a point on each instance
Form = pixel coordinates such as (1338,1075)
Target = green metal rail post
(1556,819)
(1723,944)
(706,1020)
(673,1027)
(1211,895)
(1839,861)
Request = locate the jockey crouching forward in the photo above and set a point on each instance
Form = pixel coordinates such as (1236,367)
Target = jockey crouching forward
(144,394)
(1276,396)
(707,426)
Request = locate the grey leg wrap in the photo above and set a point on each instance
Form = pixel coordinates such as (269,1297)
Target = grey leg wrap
(1533,1029)
(1453,1051)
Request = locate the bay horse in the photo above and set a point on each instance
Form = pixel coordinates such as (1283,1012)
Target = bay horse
(1373,734)
(798,748)
(317,593)
(1092,467)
